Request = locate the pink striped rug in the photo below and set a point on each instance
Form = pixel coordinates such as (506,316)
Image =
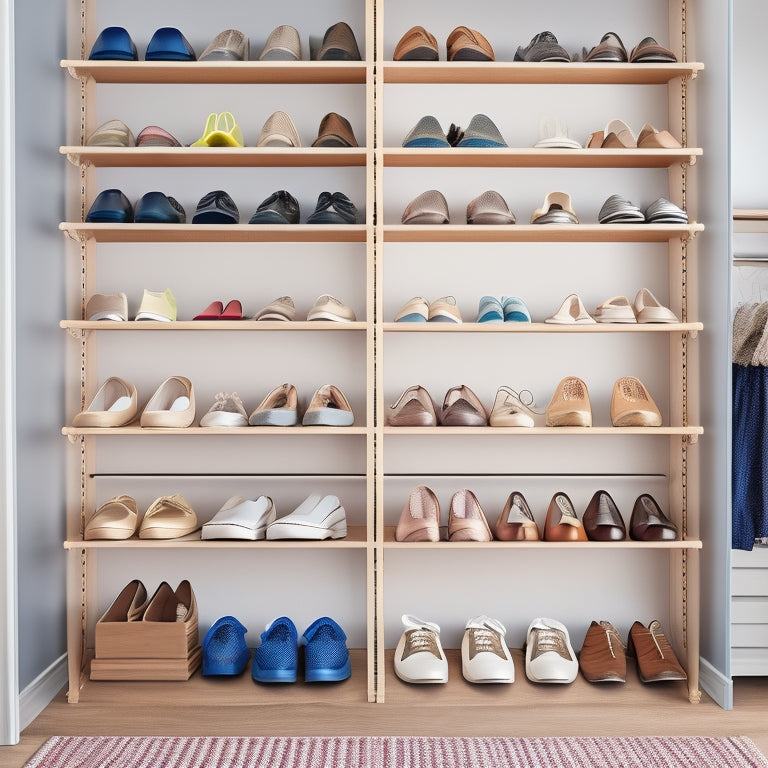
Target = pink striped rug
(395,752)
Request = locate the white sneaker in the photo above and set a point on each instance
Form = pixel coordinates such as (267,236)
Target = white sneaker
(419,657)
(227,411)
(485,657)
(241,518)
(549,656)
(317,517)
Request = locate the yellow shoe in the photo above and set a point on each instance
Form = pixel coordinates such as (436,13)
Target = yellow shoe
(226,133)
(210,127)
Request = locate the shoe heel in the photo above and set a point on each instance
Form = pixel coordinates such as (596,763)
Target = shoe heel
(339,531)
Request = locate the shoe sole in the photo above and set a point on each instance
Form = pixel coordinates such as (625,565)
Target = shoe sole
(327,217)
(325,674)
(328,417)
(269,217)
(305,532)
(273,418)
(273,675)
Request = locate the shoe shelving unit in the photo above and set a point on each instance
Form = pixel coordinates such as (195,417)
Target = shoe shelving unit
(387,357)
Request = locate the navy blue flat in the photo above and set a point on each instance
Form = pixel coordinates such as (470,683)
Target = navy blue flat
(168,44)
(157,208)
(111,207)
(114,43)
(216,207)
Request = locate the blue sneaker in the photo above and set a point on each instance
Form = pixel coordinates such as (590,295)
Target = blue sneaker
(168,44)
(114,43)
(157,208)
(224,648)
(326,658)
(490,310)
(110,207)
(276,659)
(515,310)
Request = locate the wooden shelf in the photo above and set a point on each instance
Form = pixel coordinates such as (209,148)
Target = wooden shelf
(390,543)
(541,328)
(219,157)
(750,221)
(355,539)
(211,325)
(541,233)
(456,157)
(516,72)
(134,429)
(553,431)
(218,72)
(215,233)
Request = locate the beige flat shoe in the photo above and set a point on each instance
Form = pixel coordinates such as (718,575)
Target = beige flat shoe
(650,138)
(168,517)
(414,408)
(462,408)
(570,406)
(617,309)
(172,404)
(420,517)
(278,131)
(572,312)
(557,209)
(509,410)
(114,520)
(414,311)
(632,406)
(466,520)
(330,408)
(113,405)
(649,309)
(167,605)
(516,521)
(444,310)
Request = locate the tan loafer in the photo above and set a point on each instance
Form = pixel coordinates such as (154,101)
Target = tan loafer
(420,517)
(465,44)
(417,44)
(168,517)
(603,657)
(466,520)
(113,405)
(632,405)
(114,520)
(570,406)
(335,131)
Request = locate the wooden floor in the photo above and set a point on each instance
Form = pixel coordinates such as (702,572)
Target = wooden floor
(220,707)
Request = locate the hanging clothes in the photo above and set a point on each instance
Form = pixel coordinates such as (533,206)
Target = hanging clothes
(750,425)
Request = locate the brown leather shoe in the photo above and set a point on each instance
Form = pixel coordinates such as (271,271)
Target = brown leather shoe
(335,131)
(516,522)
(602,520)
(570,406)
(561,523)
(465,44)
(462,408)
(420,518)
(655,658)
(632,406)
(414,408)
(603,657)
(466,520)
(649,523)
(416,45)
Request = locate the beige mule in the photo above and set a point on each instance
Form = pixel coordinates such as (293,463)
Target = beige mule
(113,405)
(168,517)
(114,520)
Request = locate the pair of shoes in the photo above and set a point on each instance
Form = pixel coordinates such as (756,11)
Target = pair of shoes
(111,206)
(631,404)
(326,307)
(166,44)
(603,656)
(618,135)
(485,657)
(326,657)
(510,309)
(463,44)
(168,517)
(414,408)
(618,210)
(419,310)
(217,311)
(166,604)
(557,209)
(431,207)
(279,131)
(481,132)
(328,407)
(420,518)
(611,49)
(221,130)
(603,522)
(115,133)
(549,655)
(645,309)
(282,208)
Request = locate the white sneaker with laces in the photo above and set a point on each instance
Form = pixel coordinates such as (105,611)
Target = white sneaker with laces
(485,657)
(227,411)
(419,657)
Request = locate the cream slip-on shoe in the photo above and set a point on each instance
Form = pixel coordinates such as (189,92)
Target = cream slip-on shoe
(571,312)
(113,405)
(168,517)
(278,409)
(317,517)
(116,519)
(241,518)
(649,309)
(172,404)
(617,309)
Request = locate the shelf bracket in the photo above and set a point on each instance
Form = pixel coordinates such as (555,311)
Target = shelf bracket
(73,438)
(74,158)
(691,161)
(691,439)
(76,333)
(76,237)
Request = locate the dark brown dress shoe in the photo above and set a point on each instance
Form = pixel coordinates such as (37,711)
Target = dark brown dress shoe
(649,523)
(516,522)
(602,520)
(335,131)
(603,657)
(655,658)
(562,524)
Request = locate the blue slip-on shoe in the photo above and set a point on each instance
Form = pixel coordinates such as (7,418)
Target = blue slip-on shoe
(216,207)
(326,658)
(157,208)
(110,207)
(280,207)
(224,648)
(334,208)
(482,132)
(168,44)
(114,43)
(515,310)
(490,310)
(276,659)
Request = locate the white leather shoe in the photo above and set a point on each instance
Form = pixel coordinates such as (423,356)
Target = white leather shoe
(419,657)
(549,656)
(317,517)
(485,657)
(241,518)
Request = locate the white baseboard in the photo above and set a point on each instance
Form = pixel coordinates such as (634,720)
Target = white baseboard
(40,692)
(715,684)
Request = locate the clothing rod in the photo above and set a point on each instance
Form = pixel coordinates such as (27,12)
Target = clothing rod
(215,476)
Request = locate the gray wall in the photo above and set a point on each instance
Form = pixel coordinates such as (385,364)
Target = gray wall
(40,172)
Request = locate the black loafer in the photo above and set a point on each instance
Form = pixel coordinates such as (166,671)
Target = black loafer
(216,207)
(279,208)
(334,208)
(157,208)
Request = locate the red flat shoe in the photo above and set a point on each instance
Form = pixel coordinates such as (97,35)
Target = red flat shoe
(211,312)
(233,311)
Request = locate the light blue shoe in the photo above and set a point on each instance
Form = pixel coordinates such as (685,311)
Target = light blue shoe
(224,648)
(326,658)
(490,310)
(276,659)
(515,310)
